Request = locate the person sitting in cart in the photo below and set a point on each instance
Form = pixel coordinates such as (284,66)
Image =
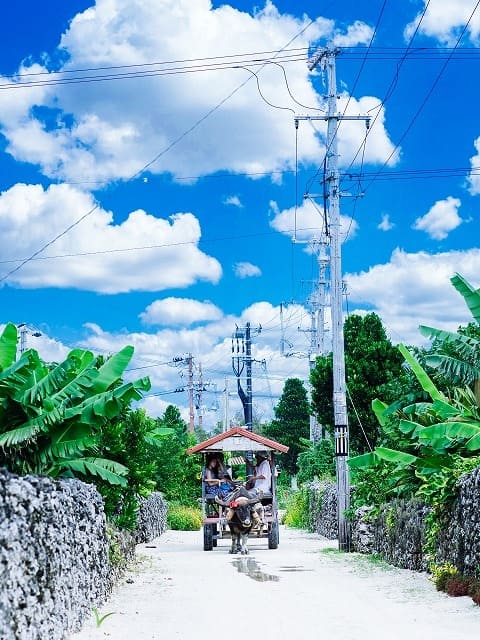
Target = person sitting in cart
(261,481)
(216,480)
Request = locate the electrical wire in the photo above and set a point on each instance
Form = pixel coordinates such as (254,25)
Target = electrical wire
(270,104)
(427,96)
(357,78)
(392,85)
(358,418)
(151,162)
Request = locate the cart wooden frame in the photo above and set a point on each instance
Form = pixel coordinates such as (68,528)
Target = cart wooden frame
(238,440)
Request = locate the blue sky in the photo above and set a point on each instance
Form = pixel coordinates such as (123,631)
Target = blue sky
(171,257)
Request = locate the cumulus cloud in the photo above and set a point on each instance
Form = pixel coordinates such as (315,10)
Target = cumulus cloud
(305,223)
(413,289)
(103,131)
(441,219)
(179,311)
(234,201)
(357,33)
(474,178)
(386,224)
(114,259)
(445,20)
(210,346)
(246,270)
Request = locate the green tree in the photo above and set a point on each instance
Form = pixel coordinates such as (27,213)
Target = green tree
(316,461)
(177,475)
(292,422)
(373,368)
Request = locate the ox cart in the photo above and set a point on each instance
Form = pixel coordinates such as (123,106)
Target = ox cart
(230,445)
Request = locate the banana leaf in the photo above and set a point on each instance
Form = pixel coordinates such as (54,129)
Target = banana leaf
(111,472)
(8,345)
(445,410)
(469,294)
(112,369)
(379,409)
(449,430)
(396,457)
(364,461)
(421,375)
(409,427)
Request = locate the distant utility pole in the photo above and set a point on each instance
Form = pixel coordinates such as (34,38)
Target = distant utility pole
(327,59)
(24,330)
(242,360)
(199,397)
(189,360)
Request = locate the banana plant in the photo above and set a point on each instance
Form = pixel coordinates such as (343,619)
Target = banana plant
(441,435)
(51,415)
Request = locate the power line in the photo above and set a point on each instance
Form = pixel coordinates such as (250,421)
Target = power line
(427,96)
(157,157)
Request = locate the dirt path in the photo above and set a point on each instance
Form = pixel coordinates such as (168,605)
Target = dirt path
(304,589)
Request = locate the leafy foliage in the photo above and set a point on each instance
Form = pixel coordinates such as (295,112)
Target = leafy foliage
(177,475)
(184,518)
(373,369)
(291,423)
(52,415)
(297,511)
(317,461)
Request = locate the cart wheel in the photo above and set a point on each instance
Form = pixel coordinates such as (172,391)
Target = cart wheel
(207,537)
(214,536)
(273,535)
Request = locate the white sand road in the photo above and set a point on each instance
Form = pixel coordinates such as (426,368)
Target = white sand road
(303,589)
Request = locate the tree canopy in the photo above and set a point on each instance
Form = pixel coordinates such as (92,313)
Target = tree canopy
(292,422)
(373,368)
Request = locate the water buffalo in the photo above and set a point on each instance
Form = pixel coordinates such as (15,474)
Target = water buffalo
(239,517)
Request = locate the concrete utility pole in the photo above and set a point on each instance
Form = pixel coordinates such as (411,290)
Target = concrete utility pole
(191,415)
(326,58)
(199,397)
(24,330)
(226,412)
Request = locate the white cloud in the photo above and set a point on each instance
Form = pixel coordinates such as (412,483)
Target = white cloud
(179,311)
(234,201)
(176,262)
(105,131)
(414,289)
(445,20)
(357,33)
(211,346)
(474,178)
(386,224)
(305,223)
(441,219)
(246,270)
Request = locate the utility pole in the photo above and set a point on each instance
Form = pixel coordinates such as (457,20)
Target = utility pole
(24,331)
(191,416)
(199,397)
(226,413)
(327,59)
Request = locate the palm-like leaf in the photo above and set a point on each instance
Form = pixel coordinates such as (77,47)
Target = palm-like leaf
(112,472)
(470,295)
(421,374)
(8,345)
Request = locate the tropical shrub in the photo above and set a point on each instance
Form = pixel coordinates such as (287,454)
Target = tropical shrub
(183,518)
(52,415)
(297,511)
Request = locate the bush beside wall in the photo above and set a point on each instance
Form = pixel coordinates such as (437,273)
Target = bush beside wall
(55,554)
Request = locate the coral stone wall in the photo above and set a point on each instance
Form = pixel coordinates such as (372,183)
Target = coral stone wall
(54,553)
(53,556)
(459,537)
(398,531)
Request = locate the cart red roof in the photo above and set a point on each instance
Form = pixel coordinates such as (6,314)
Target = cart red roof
(238,439)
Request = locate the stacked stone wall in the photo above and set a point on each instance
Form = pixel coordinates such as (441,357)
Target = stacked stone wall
(55,550)
(398,531)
